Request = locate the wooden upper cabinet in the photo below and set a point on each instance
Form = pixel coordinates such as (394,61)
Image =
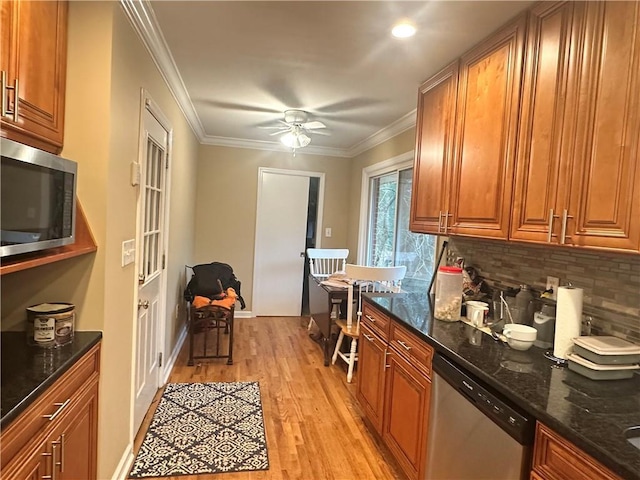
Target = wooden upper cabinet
(577,171)
(540,193)
(604,208)
(33,62)
(485,136)
(434,149)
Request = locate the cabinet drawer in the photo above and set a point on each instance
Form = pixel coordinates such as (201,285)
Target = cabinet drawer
(411,347)
(376,320)
(556,458)
(54,401)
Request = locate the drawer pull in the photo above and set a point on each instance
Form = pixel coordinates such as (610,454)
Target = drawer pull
(368,337)
(370,318)
(61,406)
(404,345)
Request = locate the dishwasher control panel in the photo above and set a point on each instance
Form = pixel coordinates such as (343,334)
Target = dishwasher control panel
(517,424)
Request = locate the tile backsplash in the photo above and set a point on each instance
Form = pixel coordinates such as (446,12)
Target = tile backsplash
(611,282)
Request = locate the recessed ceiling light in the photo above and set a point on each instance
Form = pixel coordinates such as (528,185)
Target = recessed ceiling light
(403,29)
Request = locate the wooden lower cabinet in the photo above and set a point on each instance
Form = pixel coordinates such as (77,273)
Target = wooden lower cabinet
(394,391)
(408,392)
(371,367)
(554,458)
(64,446)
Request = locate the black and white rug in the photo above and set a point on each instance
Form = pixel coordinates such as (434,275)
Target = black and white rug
(203,428)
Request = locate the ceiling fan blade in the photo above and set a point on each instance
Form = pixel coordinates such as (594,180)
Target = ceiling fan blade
(273,127)
(317,132)
(313,125)
(284,130)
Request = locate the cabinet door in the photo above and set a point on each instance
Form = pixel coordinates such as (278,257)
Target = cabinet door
(434,144)
(34,49)
(485,145)
(541,178)
(408,392)
(371,369)
(78,440)
(33,466)
(605,187)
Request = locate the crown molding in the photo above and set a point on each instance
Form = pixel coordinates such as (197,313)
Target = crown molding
(143,20)
(272,146)
(403,124)
(141,16)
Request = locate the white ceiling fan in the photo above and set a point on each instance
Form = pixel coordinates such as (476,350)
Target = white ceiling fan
(296,129)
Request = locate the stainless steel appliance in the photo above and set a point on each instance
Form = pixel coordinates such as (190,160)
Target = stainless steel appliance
(474,433)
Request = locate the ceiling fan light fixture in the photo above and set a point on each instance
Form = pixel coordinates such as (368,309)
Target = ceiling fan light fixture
(295,140)
(403,29)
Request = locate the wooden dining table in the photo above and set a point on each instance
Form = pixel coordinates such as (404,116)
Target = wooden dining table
(321,301)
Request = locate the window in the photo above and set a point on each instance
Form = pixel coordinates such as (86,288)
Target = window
(387,239)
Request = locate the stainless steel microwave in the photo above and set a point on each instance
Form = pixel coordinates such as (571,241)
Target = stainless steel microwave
(37,199)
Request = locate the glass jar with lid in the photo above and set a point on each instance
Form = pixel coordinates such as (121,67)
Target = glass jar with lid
(448,302)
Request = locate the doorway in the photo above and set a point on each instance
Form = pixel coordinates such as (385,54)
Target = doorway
(281,238)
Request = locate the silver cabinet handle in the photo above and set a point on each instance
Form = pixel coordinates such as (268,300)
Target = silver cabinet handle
(53,461)
(386,354)
(552,217)
(446,220)
(563,233)
(15,100)
(368,337)
(144,304)
(61,407)
(5,100)
(370,318)
(440,221)
(404,345)
(62,440)
(50,455)
(3,86)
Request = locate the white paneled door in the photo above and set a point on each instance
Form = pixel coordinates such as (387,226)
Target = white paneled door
(281,226)
(150,240)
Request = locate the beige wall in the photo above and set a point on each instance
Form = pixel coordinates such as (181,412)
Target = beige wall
(227,199)
(401,143)
(107,67)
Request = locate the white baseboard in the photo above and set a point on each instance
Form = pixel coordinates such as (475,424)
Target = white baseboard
(174,355)
(122,470)
(242,314)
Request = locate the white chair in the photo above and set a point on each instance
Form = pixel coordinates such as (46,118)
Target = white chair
(324,262)
(364,279)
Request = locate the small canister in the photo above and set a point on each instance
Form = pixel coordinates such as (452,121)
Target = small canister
(50,324)
(448,301)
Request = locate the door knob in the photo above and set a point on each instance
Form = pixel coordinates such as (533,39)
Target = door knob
(144,304)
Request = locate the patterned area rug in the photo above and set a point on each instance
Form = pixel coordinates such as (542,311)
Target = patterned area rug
(204,428)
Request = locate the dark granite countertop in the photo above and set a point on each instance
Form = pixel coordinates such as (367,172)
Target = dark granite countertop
(26,372)
(591,414)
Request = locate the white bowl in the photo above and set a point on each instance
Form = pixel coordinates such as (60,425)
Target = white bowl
(520,332)
(519,344)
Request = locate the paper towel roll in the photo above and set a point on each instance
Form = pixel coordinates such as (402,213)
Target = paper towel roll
(568,320)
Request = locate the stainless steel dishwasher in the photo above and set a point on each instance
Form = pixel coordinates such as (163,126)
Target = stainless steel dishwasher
(474,433)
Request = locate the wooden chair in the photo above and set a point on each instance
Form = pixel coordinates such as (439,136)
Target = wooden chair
(324,262)
(364,279)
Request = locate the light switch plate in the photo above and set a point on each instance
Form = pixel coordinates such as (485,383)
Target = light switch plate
(128,252)
(327,232)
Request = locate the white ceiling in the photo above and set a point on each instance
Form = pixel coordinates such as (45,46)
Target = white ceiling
(237,65)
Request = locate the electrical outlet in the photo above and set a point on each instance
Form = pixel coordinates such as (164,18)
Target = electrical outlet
(553,282)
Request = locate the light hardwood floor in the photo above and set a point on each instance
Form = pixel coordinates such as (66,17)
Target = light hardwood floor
(314,426)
